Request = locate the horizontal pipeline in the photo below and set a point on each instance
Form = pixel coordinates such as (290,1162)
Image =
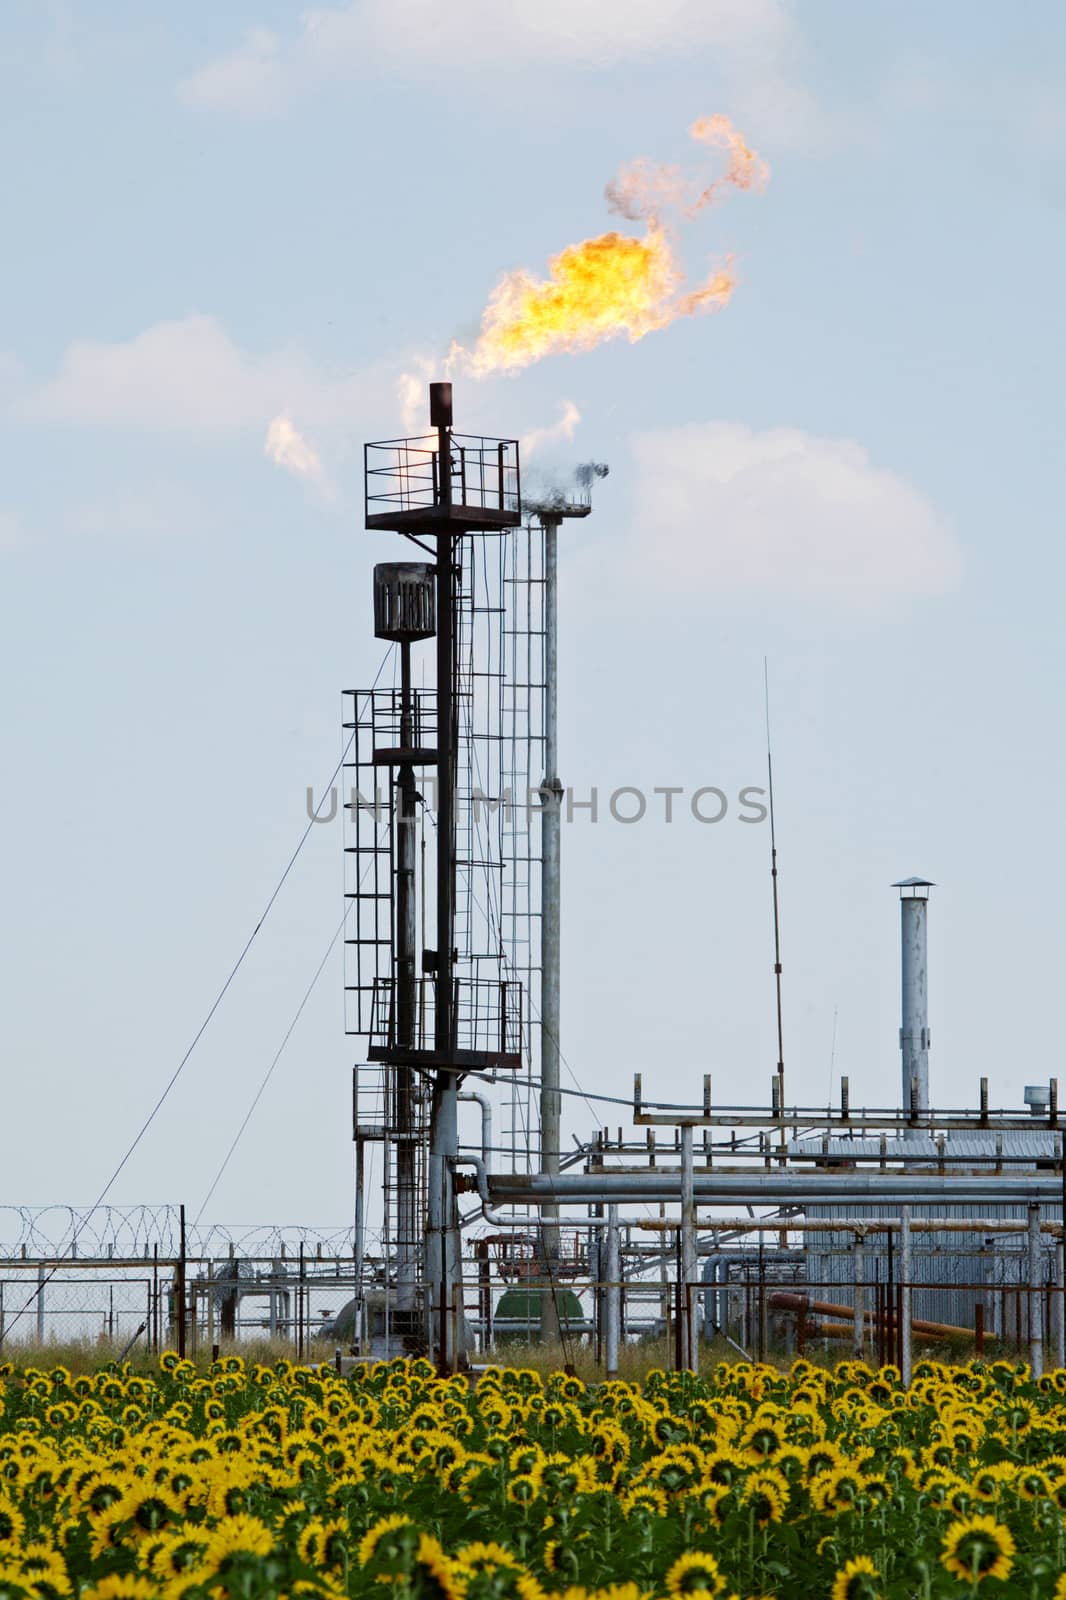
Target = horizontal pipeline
(861,1225)
(782,1300)
(771,1188)
(823,1328)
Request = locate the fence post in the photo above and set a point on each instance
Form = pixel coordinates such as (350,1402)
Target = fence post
(1060,1304)
(300,1296)
(689,1255)
(859,1337)
(1036,1298)
(41,1281)
(180,1286)
(905,1360)
(613,1291)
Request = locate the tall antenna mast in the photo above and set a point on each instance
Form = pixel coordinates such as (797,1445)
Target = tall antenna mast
(777,914)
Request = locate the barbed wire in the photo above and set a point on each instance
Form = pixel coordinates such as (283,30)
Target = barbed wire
(141,1231)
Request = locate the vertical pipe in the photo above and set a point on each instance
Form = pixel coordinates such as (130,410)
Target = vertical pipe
(664,1274)
(359,1242)
(988,1274)
(210,1302)
(689,1265)
(300,1285)
(406,1244)
(180,1285)
(890,1299)
(914,1025)
(597,1257)
(1036,1297)
(1017,1292)
(442,1238)
(1060,1306)
(550,796)
(858,1272)
(905,1273)
(613,1291)
(761,1330)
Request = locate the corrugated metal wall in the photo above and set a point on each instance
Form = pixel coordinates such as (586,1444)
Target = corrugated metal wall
(952,1272)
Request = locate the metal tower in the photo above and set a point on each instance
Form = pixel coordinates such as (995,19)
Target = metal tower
(432,1021)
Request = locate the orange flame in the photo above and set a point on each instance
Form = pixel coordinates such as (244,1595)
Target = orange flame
(613,285)
(644,189)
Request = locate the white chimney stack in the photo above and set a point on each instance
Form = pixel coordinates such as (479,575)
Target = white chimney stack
(914,963)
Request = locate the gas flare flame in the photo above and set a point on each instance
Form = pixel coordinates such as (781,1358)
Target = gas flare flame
(615,284)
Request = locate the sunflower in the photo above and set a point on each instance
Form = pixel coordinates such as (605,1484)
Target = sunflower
(856,1580)
(695,1570)
(762,1439)
(12,1525)
(646,1497)
(988,1484)
(43,1569)
(767,1495)
(442,1573)
(977,1547)
(472,1559)
(368,1546)
(1033,1485)
(108,1531)
(235,1537)
(100,1493)
(823,1457)
(148,1510)
(837,1491)
(179,1552)
(522,1489)
(725,1466)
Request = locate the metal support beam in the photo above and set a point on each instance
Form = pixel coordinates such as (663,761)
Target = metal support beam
(443,1243)
(1036,1293)
(689,1264)
(914,1022)
(1059,1307)
(906,1273)
(550,824)
(613,1292)
(858,1275)
(408,1224)
(771,1188)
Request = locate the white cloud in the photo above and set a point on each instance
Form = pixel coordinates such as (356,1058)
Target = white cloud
(749,42)
(723,507)
(189,374)
(147,511)
(560,431)
(11,375)
(252,79)
(288,449)
(12,533)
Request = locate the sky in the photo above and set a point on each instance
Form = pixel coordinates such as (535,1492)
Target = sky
(229,232)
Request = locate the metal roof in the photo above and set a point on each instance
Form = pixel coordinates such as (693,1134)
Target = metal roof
(1040,1145)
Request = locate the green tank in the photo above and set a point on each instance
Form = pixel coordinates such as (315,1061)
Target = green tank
(516,1318)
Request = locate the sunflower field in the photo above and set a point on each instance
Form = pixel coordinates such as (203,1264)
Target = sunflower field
(261,1481)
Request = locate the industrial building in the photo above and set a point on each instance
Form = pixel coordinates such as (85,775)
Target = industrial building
(773,1224)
